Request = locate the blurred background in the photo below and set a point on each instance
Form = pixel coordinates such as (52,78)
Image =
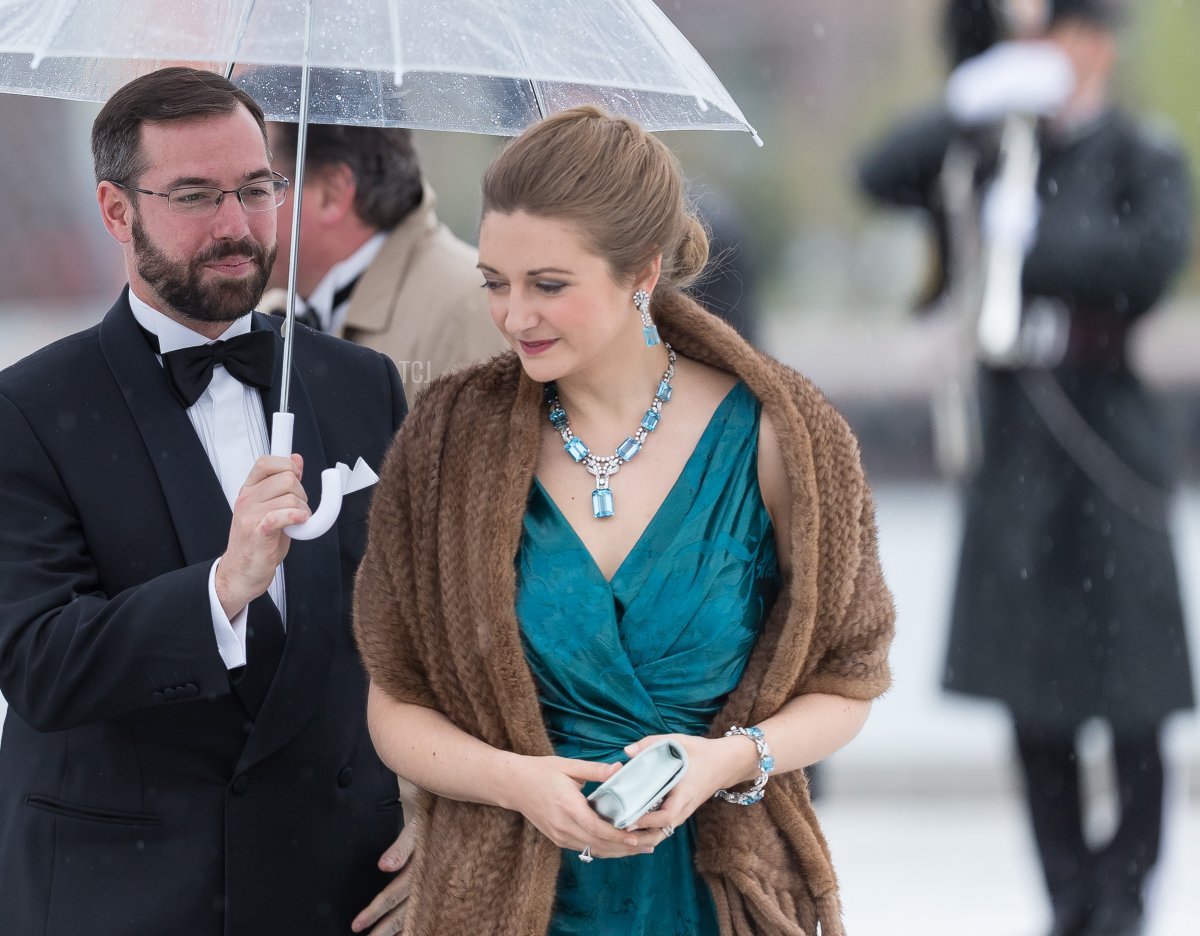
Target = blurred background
(924,822)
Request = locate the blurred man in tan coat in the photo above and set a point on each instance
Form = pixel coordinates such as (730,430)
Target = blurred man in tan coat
(375,264)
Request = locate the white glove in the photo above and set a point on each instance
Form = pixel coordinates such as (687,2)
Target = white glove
(1009,215)
(1030,77)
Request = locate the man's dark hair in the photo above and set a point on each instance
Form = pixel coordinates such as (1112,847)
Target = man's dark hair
(970,27)
(162,96)
(386,172)
(1107,14)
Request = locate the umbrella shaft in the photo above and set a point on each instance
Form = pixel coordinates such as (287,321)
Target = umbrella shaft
(297,199)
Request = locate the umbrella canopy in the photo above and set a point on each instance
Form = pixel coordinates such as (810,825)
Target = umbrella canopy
(475,66)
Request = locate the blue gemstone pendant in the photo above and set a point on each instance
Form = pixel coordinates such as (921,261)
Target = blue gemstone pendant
(602,467)
(602,503)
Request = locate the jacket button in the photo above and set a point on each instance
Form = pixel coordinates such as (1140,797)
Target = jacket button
(240,784)
(345,777)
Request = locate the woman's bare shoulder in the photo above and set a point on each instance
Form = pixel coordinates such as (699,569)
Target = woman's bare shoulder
(772,477)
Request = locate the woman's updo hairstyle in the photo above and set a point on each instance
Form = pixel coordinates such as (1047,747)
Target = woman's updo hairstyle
(620,185)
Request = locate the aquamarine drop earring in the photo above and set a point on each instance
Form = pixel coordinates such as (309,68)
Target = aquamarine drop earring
(641,299)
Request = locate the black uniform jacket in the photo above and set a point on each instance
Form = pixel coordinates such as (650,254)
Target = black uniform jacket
(1067,603)
(137,795)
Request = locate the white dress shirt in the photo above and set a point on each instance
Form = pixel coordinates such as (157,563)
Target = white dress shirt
(229,420)
(340,274)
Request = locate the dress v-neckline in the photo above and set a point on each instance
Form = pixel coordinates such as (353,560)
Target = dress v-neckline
(562,518)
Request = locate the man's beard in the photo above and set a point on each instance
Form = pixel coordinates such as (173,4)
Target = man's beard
(185,290)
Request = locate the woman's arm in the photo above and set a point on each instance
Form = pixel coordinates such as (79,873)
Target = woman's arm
(812,726)
(425,747)
(807,729)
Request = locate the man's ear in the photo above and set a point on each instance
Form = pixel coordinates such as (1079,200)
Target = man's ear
(116,210)
(334,189)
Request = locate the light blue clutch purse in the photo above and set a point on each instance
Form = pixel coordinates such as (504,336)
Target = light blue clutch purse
(641,785)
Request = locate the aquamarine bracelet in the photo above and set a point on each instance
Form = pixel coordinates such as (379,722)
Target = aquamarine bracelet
(766,763)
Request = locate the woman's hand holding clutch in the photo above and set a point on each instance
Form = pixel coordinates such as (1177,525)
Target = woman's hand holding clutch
(546,791)
(713,764)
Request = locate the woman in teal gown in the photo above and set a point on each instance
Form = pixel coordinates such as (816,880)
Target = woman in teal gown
(663,644)
(601,540)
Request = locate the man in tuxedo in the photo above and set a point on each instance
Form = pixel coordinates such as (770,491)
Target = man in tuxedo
(186,747)
(375,265)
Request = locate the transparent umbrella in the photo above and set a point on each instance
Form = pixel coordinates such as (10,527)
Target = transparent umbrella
(475,66)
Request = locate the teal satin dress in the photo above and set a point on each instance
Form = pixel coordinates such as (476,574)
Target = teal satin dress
(657,649)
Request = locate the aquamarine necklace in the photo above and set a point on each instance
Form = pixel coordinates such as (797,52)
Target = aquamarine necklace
(604,467)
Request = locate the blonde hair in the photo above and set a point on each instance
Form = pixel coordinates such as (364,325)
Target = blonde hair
(621,186)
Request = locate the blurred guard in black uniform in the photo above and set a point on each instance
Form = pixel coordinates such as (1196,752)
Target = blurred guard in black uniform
(1067,604)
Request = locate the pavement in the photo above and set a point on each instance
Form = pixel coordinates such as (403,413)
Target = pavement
(965,866)
(923,812)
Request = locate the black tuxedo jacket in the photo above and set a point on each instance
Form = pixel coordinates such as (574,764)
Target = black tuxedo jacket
(137,796)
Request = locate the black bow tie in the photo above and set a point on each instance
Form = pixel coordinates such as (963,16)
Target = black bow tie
(250,358)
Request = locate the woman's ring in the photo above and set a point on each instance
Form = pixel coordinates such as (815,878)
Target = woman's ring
(586,855)
(668,831)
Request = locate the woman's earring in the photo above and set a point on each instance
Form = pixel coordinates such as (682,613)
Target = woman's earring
(641,299)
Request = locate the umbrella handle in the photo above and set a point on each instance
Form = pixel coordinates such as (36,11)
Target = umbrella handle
(331,484)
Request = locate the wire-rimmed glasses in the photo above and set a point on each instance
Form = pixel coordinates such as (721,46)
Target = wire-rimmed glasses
(259,195)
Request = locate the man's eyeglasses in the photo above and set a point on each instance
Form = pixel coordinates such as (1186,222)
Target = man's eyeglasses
(260,195)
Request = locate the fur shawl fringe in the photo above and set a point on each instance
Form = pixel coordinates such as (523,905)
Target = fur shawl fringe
(435,622)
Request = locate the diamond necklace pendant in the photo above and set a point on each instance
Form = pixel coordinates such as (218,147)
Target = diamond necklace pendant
(603,467)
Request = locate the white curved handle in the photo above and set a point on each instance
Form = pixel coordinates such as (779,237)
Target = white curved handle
(327,511)
(331,484)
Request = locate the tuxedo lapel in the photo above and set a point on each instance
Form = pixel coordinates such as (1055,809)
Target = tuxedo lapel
(199,511)
(201,518)
(312,574)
